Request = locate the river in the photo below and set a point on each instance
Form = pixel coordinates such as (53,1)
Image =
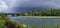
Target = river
(37,21)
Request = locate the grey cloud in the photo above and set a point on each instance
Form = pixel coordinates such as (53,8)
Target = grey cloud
(16,3)
(36,2)
(31,3)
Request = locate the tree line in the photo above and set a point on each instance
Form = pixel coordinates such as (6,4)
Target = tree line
(47,12)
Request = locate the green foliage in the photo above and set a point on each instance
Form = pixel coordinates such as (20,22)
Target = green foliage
(48,26)
(2,21)
(33,26)
(47,12)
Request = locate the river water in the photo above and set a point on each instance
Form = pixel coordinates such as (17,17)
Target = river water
(37,21)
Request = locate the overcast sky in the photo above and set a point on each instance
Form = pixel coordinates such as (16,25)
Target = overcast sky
(10,5)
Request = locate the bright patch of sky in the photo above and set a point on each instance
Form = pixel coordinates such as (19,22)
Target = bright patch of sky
(3,6)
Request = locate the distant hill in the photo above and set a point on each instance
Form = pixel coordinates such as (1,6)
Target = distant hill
(27,9)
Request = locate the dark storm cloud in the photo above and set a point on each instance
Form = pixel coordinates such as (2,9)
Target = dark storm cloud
(13,4)
(36,2)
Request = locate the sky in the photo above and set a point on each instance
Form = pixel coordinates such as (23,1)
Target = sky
(19,5)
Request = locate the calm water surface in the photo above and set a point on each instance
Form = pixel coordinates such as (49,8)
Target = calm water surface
(37,21)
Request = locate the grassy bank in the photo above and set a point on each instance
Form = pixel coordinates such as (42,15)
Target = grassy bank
(6,23)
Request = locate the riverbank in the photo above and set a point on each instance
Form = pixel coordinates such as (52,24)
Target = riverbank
(40,16)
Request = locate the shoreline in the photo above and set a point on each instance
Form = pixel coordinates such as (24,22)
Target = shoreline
(40,16)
